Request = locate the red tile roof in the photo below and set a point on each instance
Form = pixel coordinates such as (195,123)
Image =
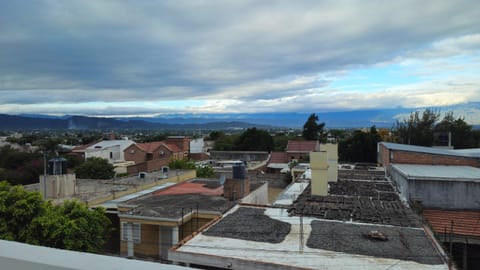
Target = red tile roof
(150,146)
(302,146)
(464,222)
(278,157)
(173,148)
(191,188)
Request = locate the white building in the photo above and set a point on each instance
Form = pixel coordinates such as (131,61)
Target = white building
(110,150)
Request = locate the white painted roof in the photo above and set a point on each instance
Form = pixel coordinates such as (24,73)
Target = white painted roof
(475,152)
(277,165)
(105,144)
(114,203)
(438,172)
(288,252)
(291,193)
(14,255)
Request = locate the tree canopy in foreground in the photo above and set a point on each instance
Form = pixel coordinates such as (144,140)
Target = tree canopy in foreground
(26,217)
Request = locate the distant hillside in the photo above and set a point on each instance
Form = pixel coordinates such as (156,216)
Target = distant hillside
(210,121)
(83,122)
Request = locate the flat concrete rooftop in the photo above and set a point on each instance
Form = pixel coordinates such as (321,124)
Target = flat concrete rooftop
(325,245)
(438,172)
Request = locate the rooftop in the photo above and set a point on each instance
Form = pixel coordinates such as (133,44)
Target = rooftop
(278,157)
(358,196)
(471,153)
(109,143)
(198,186)
(465,223)
(302,146)
(438,172)
(270,235)
(174,207)
(362,224)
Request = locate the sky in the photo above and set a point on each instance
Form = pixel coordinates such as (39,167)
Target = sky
(148,58)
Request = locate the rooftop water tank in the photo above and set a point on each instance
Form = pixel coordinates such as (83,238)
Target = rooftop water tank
(57,166)
(239,172)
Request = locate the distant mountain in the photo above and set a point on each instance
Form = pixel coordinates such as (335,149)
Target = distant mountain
(84,122)
(208,121)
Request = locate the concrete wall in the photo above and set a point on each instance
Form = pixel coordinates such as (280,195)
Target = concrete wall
(442,194)
(58,186)
(258,196)
(224,262)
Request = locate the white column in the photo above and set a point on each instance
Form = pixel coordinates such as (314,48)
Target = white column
(174,236)
(129,239)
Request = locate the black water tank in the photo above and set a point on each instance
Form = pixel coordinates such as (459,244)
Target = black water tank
(239,172)
(57,166)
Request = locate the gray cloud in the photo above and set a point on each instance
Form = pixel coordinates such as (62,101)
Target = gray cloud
(262,52)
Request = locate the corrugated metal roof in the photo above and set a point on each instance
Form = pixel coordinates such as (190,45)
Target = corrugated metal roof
(464,222)
(440,172)
(431,150)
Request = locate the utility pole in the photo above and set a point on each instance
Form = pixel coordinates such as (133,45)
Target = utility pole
(44,174)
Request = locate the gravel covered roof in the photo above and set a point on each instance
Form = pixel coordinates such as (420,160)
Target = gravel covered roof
(250,224)
(401,243)
(172,206)
(358,196)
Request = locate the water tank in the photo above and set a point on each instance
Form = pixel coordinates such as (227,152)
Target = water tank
(57,166)
(239,172)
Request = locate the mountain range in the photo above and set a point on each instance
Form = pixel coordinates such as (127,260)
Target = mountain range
(344,119)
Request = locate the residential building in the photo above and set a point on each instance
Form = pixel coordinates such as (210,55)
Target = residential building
(112,150)
(147,157)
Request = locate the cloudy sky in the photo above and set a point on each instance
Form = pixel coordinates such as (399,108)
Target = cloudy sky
(153,57)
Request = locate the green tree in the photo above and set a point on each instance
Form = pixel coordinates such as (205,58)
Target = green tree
(205,171)
(182,164)
(417,130)
(95,168)
(19,167)
(225,143)
(461,132)
(312,130)
(26,217)
(215,135)
(18,208)
(361,147)
(71,226)
(254,139)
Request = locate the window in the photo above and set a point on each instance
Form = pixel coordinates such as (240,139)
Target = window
(136,231)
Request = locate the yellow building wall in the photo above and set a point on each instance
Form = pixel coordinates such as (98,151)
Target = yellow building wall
(148,246)
(319,182)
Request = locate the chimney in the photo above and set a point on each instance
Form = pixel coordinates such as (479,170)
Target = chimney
(319,167)
(332,156)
